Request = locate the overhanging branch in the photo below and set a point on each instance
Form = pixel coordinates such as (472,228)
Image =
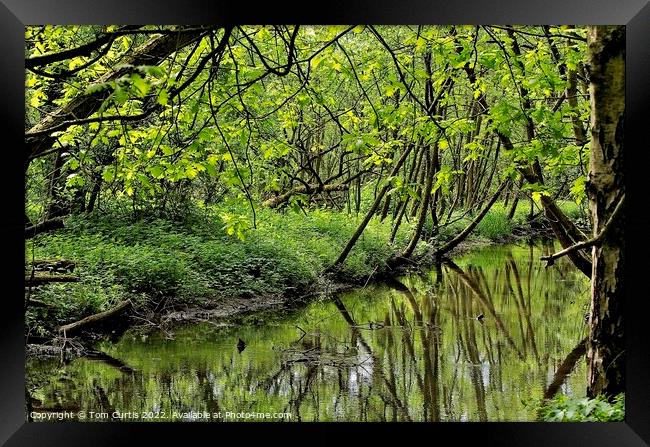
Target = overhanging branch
(595,241)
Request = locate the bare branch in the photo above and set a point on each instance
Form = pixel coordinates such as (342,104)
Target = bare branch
(595,241)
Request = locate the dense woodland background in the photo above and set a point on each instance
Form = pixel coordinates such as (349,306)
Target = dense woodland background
(170,165)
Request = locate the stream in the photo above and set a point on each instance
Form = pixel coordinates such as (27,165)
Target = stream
(479,339)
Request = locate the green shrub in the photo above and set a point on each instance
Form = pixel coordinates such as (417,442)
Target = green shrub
(495,225)
(572,210)
(564,409)
(153,259)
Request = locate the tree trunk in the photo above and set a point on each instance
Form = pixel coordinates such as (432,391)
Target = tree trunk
(56,207)
(371,212)
(94,194)
(385,209)
(468,229)
(515,198)
(605,187)
(398,219)
(424,206)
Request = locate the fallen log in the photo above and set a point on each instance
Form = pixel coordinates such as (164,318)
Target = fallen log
(48,225)
(39,279)
(96,318)
(274,202)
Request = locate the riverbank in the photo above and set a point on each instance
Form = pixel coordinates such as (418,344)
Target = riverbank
(213,265)
(395,335)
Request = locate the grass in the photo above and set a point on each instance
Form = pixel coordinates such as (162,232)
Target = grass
(496,226)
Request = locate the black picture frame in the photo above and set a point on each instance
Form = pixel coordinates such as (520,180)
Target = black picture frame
(15,14)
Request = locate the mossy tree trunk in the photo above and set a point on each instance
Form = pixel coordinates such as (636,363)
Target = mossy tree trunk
(605,187)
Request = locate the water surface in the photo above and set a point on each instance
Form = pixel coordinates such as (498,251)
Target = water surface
(477,340)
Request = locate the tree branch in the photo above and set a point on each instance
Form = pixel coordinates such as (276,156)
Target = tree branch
(595,241)
(92,319)
(463,234)
(274,202)
(39,139)
(83,50)
(290,54)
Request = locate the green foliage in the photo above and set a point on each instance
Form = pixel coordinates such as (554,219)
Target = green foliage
(235,225)
(565,409)
(573,210)
(495,225)
(137,266)
(172,192)
(154,259)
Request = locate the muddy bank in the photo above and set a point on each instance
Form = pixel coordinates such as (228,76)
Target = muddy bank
(221,312)
(223,309)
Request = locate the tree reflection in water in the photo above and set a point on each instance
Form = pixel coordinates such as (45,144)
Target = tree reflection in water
(406,350)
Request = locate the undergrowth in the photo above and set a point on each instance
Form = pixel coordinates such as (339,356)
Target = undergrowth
(565,409)
(152,259)
(216,253)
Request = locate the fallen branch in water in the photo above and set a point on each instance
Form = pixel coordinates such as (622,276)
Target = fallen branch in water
(315,356)
(596,241)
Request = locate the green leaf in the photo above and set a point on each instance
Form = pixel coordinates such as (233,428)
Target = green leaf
(157,171)
(120,95)
(75,180)
(191,172)
(73,164)
(142,86)
(578,189)
(163,97)
(109,174)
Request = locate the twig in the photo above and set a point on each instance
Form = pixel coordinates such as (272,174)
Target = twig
(303,332)
(370,276)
